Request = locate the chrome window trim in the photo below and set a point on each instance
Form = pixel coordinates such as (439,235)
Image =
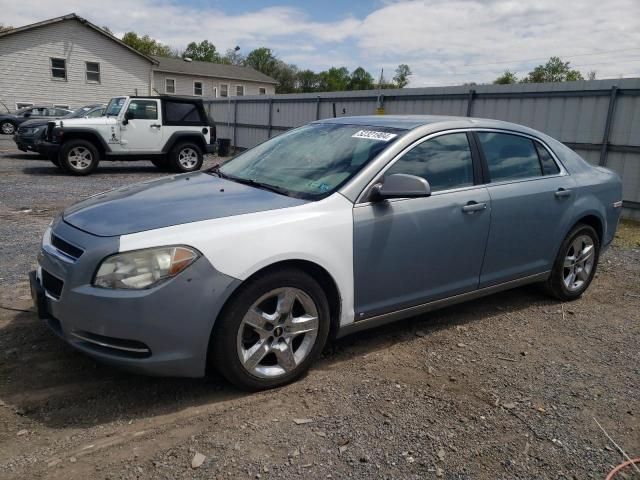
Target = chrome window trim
(563,171)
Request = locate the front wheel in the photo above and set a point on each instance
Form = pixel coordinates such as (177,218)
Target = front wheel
(576,263)
(79,157)
(185,157)
(271,331)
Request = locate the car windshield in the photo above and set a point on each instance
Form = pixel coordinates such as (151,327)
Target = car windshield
(312,161)
(114,107)
(79,112)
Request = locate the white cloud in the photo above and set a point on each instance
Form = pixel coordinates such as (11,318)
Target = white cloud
(444,42)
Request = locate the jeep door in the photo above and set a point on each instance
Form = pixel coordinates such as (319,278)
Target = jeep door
(411,251)
(141,127)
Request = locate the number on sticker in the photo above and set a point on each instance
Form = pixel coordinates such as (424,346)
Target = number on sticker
(373,135)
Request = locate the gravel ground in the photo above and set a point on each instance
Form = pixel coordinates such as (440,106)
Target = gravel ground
(503,387)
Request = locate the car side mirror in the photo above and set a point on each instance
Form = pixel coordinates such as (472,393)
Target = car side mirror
(401,185)
(26,114)
(127,116)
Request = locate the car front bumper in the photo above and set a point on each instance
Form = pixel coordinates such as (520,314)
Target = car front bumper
(163,330)
(29,143)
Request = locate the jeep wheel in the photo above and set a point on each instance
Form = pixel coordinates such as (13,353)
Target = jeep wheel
(7,127)
(79,157)
(185,157)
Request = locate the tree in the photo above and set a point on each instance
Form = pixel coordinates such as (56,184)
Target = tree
(401,78)
(307,81)
(555,70)
(233,57)
(263,60)
(360,80)
(286,74)
(146,45)
(506,78)
(334,80)
(5,28)
(107,29)
(591,75)
(205,51)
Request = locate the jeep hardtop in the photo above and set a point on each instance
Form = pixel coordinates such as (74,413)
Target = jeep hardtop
(172,132)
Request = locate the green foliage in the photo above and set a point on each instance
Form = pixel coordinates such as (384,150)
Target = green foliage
(360,80)
(555,70)
(147,45)
(307,81)
(335,79)
(205,51)
(263,60)
(506,78)
(401,78)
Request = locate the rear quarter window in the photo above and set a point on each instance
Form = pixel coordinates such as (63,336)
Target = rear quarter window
(182,113)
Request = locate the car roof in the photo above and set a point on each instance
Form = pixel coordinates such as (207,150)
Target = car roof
(438,122)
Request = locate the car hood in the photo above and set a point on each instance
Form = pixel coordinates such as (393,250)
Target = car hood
(36,122)
(83,122)
(170,201)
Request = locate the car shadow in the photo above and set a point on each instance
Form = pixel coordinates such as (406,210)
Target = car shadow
(47,381)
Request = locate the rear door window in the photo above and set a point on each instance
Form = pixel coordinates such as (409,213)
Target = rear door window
(444,161)
(509,157)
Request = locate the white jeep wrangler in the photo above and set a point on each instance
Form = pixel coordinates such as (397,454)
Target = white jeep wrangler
(171,132)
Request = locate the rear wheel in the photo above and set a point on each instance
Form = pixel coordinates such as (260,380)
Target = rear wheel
(576,263)
(271,331)
(79,157)
(185,157)
(7,127)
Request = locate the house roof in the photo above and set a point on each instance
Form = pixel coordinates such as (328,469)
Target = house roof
(73,16)
(208,69)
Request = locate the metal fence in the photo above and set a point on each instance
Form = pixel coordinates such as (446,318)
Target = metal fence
(600,119)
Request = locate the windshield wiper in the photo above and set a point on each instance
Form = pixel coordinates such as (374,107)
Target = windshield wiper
(263,186)
(217,171)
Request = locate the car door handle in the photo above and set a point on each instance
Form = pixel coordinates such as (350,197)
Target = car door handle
(563,192)
(472,207)
(155,125)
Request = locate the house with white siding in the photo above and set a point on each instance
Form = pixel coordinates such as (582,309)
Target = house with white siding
(68,62)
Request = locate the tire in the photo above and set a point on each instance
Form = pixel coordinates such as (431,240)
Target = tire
(161,163)
(79,157)
(7,127)
(561,284)
(185,157)
(285,355)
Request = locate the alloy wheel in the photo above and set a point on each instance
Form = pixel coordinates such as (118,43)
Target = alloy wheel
(277,333)
(578,263)
(8,128)
(80,158)
(188,158)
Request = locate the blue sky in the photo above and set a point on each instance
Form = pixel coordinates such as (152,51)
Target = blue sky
(445,42)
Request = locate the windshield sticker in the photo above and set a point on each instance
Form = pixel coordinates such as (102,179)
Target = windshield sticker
(373,135)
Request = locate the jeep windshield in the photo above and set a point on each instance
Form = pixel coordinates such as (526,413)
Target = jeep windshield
(114,107)
(310,162)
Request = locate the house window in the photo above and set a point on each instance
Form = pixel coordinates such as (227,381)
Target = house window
(215,92)
(21,105)
(169,85)
(56,105)
(262,91)
(224,90)
(239,90)
(93,72)
(59,68)
(197,88)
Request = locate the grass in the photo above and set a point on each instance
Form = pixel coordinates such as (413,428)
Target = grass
(628,234)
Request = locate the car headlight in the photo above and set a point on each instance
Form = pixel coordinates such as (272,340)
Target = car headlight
(143,268)
(28,131)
